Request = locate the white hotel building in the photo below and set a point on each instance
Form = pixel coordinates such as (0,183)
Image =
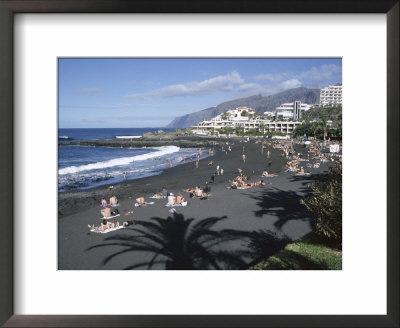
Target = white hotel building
(234,119)
(291,110)
(331,96)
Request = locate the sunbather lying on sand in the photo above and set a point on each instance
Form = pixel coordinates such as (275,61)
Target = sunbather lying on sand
(175,201)
(179,199)
(107,226)
(301,172)
(211,163)
(157,196)
(141,202)
(104,226)
(108,214)
(268,175)
(103,202)
(256,184)
(234,185)
(199,193)
(237,184)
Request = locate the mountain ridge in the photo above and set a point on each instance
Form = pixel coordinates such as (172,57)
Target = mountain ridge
(258,102)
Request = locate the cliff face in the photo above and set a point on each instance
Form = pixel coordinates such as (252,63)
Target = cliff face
(258,103)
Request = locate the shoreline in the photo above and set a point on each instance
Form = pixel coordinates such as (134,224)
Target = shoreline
(72,201)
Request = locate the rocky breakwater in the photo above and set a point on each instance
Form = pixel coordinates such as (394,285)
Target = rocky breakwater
(152,140)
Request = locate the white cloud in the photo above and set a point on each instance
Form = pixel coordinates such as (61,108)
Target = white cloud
(317,74)
(254,88)
(324,72)
(88,90)
(273,77)
(289,84)
(248,86)
(215,84)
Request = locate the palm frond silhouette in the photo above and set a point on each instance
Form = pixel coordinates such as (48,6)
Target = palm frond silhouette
(180,243)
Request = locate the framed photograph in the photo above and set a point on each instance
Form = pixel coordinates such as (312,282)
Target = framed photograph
(183,165)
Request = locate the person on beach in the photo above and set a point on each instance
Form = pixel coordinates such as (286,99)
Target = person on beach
(222,171)
(171,199)
(234,185)
(212,178)
(217,169)
(197,163)
(199,193)
(103,202)
(244,158)
(125,176)
(267,175)
(115,223)
(103,227)
(301,172)
(179,199)
(113,201)
(106,212)
(164,193)
(259,183)
(140,200)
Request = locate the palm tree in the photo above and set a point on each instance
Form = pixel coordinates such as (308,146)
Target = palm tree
(228,130)
(224,115)
(262,128)
(180,244)
(239,130)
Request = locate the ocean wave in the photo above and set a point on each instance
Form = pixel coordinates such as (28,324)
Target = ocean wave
(160,151)
(128,137)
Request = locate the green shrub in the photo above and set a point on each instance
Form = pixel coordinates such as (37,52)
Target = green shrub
(326,204)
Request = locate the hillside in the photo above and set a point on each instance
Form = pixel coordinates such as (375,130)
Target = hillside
(258,103)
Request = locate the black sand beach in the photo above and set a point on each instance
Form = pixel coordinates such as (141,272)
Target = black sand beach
(222,232)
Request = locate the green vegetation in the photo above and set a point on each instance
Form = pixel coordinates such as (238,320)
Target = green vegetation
(322,248)
(311,252)
(262,128)
(321,123)
(326,204)
(239,130)
(188,132)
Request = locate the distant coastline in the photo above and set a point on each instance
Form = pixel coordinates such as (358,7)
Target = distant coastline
(151,140)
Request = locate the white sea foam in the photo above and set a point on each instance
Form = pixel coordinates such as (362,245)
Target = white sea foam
(119,161)
(128,137)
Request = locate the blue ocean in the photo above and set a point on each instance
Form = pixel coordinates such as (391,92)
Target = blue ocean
(83,167)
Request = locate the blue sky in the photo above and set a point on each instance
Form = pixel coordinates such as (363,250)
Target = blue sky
(106,92)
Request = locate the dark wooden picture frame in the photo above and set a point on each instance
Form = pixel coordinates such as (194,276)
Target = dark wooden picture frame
(10,7)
